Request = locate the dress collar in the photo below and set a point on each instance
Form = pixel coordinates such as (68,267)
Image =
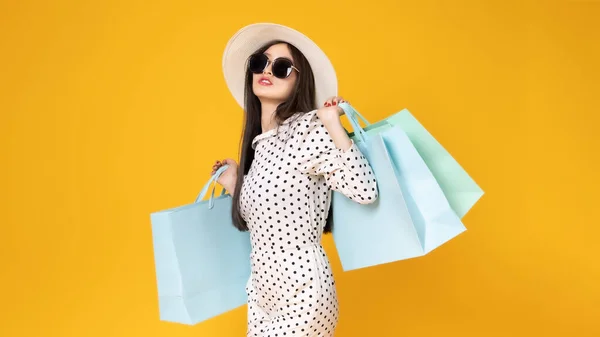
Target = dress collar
(272,132)
(262,136)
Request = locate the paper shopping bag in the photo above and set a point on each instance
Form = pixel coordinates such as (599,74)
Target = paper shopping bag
(366,235)
(459,188)
(411,216)
(202,261)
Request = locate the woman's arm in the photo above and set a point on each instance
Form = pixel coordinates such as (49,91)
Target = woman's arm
(324,148)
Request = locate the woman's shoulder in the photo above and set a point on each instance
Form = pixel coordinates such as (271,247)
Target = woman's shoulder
(303,119)
(307,127)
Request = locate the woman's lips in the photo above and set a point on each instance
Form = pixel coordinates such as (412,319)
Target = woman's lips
(264,81)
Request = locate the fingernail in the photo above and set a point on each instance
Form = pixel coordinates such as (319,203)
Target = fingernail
(334,103)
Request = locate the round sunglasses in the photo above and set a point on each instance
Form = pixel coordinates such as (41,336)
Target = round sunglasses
(282,67)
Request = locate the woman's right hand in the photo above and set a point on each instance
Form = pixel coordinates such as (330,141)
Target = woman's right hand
(228,178)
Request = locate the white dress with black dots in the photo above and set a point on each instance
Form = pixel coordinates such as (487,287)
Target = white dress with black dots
(285,200)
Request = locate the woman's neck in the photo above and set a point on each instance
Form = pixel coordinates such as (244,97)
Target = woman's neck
(267,117)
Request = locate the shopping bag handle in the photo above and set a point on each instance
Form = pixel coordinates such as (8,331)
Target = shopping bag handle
(212,179)
(367,123)
(351,114)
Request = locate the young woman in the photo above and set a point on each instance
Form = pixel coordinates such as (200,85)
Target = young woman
(293,155)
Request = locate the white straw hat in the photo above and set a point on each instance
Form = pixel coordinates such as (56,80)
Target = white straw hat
(250,38)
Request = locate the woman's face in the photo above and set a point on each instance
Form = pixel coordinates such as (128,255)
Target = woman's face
(269,88)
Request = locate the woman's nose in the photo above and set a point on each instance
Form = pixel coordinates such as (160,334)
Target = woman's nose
(267,69)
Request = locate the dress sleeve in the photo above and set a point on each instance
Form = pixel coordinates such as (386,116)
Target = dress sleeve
(345,170)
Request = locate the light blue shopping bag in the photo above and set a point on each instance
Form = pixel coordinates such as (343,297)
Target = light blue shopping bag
(459,188)
(411,216)
(202,260)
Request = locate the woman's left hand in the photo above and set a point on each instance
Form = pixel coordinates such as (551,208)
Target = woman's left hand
(330,110)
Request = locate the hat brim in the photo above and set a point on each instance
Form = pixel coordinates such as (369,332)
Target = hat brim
(250,38)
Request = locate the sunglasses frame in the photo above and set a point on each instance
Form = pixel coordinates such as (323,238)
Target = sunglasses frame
(272,63)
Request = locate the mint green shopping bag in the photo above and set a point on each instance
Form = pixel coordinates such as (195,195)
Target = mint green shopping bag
(459,188)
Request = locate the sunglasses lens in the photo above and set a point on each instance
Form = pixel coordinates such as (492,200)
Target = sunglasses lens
(258,63)
(282,68)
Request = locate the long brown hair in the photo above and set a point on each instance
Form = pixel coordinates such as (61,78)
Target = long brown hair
(302,99)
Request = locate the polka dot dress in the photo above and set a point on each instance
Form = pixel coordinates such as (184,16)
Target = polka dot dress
(285,200)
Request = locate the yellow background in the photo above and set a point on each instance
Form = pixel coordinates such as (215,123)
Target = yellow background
(111,110)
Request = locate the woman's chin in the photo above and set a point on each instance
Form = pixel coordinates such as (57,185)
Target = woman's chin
(265,94)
